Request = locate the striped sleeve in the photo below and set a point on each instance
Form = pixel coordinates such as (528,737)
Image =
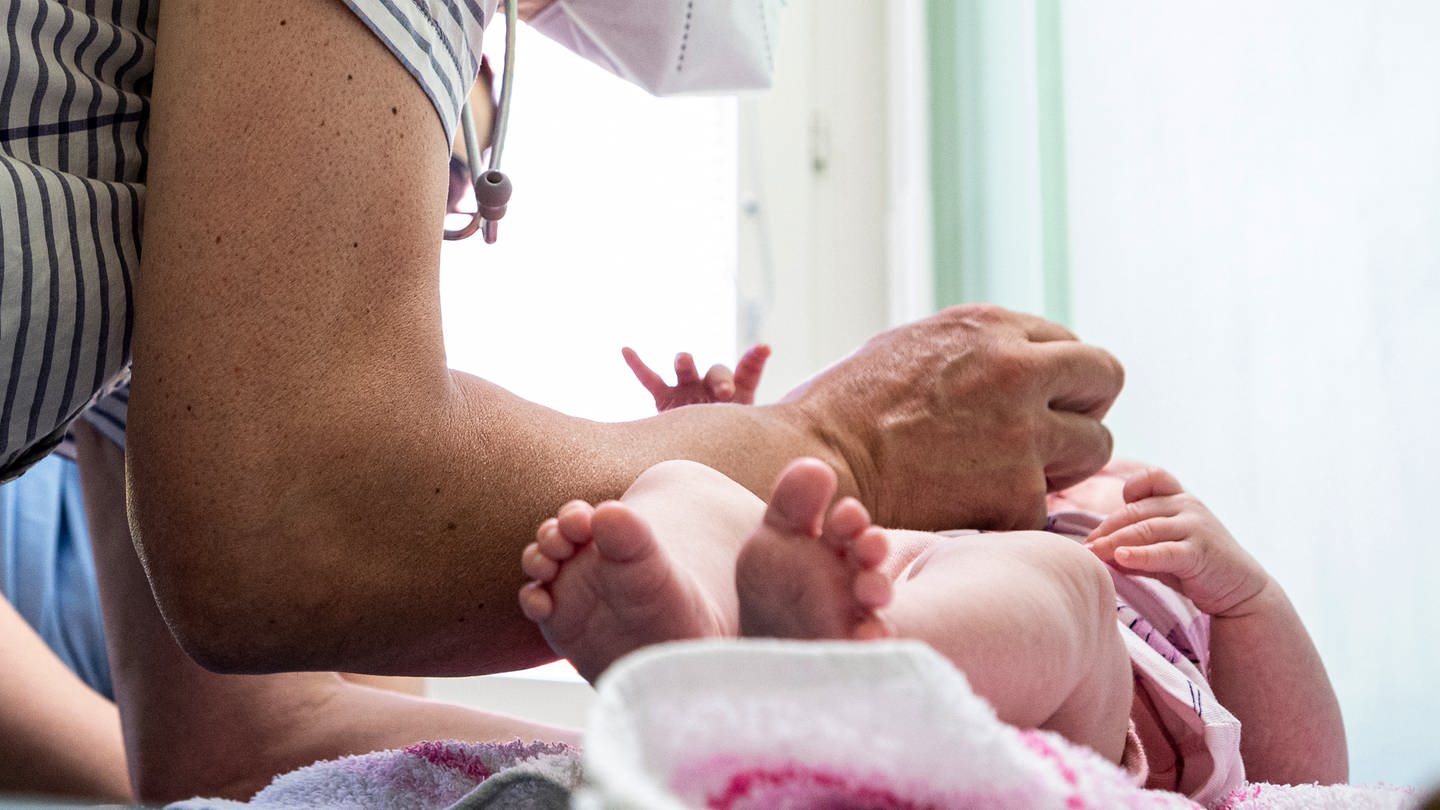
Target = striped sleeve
(74,82)
(438,42)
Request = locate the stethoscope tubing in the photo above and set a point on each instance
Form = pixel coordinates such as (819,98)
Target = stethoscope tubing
(492,187)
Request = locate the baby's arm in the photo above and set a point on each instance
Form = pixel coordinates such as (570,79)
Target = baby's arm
(1263,666)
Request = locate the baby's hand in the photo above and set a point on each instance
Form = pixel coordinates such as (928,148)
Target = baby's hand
(718,385)
(1165,532)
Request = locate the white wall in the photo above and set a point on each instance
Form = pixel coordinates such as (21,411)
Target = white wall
(815,191)
(1255,230)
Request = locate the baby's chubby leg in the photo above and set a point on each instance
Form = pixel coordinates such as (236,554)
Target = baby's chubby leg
(1030,618)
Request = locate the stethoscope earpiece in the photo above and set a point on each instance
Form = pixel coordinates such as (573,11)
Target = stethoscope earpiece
(492,187)
(492,192)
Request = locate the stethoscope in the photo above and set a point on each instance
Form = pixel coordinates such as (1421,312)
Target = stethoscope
(492,187)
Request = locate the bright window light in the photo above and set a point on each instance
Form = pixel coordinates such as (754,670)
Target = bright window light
(621,232)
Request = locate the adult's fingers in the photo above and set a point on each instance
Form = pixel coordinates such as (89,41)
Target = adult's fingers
(685,371)
(748,371)
(647,376)
(1077,446)
(1079,378)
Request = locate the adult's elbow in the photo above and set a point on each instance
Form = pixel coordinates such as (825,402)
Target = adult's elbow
(213,568)
(210,598)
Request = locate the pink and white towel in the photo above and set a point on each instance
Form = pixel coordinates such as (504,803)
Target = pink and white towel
(889,725)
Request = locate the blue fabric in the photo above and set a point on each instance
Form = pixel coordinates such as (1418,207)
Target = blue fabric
(47,571)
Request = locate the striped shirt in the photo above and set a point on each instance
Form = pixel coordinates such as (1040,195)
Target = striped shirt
(74,102)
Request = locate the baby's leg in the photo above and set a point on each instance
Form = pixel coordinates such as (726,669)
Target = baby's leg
(1028,616)
(657,565)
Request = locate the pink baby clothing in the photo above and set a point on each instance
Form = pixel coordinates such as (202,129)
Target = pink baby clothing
(1190,743)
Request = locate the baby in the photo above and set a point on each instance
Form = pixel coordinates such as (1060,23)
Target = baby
(1030,617)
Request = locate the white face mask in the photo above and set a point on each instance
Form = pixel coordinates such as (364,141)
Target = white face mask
(671,46)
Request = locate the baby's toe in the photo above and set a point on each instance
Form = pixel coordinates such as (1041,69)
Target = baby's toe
(536,602)
(574,521)
(846,519)
(870,548)
(538,566)
(553,543)
(872,589)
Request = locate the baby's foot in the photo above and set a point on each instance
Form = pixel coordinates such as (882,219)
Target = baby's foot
(602,587)
(809,574)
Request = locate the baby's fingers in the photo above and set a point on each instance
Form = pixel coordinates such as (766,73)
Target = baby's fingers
(720,383)
(1145,533)
(1137,512)
(1150,482)
(747,373)
(685,371)
(1173,557)
(647,376)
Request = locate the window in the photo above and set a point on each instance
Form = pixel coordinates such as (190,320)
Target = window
(621,231)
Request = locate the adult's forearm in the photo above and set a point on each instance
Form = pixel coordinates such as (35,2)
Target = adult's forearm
(44,710)
(1267,672)
(391,543)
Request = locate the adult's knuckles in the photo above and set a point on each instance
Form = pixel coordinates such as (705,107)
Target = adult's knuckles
(988,314)
(1010,368)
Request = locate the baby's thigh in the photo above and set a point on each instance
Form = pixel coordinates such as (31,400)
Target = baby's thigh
(1030,616)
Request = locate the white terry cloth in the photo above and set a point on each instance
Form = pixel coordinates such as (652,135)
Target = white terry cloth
(1265,796)
(758,723)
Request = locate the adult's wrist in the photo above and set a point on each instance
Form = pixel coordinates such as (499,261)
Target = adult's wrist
(825,437)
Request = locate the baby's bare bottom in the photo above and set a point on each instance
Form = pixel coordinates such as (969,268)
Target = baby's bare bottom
(1030,618)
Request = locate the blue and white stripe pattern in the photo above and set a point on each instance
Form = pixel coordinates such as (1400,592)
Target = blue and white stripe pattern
(74,101)
(438,41)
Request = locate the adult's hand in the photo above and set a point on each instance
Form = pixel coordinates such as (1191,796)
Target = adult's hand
(719,384)
(966,418)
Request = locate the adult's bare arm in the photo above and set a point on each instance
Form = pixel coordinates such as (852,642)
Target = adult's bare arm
(313,488)
(44,709)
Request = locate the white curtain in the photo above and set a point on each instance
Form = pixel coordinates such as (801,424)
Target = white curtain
(1254,229)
